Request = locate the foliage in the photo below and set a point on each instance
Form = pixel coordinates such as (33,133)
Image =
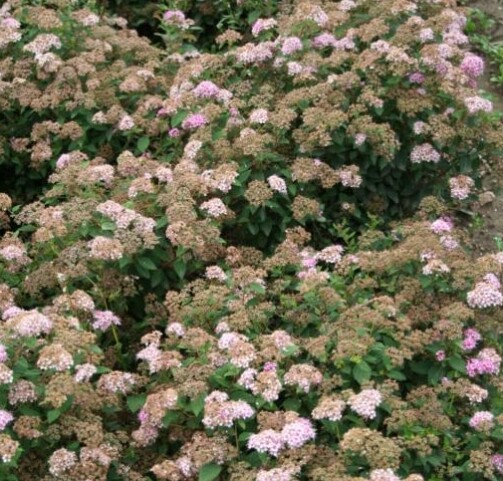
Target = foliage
(202,274)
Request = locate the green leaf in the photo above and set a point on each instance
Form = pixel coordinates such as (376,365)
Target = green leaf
(197,405)
(147,263)
(52,415)
(209,472)
(178,118)
(108,225)
(169,418)
(362,372)
(180,268)
(457,364)
(135,403)
(142,144)
(397,375)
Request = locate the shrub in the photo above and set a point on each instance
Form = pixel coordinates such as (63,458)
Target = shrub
(60,67)
(307,365)
(213,284)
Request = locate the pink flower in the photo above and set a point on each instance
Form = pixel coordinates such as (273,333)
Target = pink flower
(365,403)
(263,24)
(424,153)
(5,418)
(277,184)
(194,121)
(383,475)
(478,104)
(482,420)
(487,361)
(259,116)
(484,295)
(298,433)
(126,123)
(216,272)
(291,45)
(497,461)
(416,78)
(206,89)
(104,320)
(174,132)
(324,40)
(440,355)
(472,337)
(214,207)
(176,329)
(472,65)
(442,225)
(268,441)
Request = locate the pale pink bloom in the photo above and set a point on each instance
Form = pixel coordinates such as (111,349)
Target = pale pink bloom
(126,123)
(216,272)
(298,433)
(291,45)
(277,184)
(269,441)
(214,207)
(365,403)
(482,421)
(259,116)
(262,25)
(176,329)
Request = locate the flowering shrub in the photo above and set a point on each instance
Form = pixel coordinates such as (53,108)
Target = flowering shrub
(71,81)
(203,290)
(305,365)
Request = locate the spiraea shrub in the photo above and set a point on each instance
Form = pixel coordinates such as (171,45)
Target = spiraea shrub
(213,284)
(379,362)
(60,66)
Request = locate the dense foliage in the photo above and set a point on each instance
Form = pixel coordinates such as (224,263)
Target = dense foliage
(206,272)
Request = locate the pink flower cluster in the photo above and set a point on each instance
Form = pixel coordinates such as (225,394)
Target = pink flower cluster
(486,293)
(103,320)
(472,65)
(424,153)
(478,104)
(177,18)
(262,25)
(365,403)
(214,207)
(472,337)
(482,420)
(219,411)
(383,475)
(194,121)
(291,45)
(277,184)
(487,361)
(206,90)
(461,186)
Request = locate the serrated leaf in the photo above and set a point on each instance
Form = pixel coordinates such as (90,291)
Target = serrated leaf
(142,144)
(178,118)
(180,268)
(135,403)
(169,418)
(147,263)
(362,372)
(209,472)
(457,364)
(397,375)
(52,415)
(197,405)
